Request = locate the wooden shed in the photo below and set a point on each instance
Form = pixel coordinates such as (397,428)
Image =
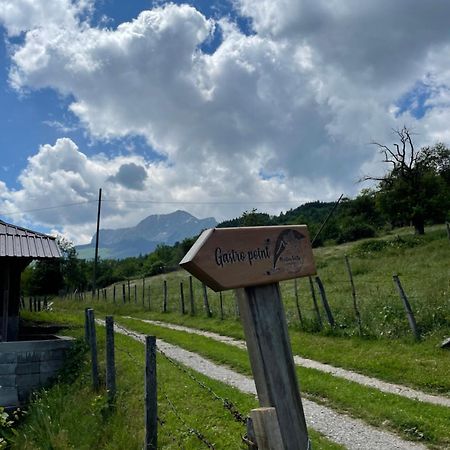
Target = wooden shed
(18,247)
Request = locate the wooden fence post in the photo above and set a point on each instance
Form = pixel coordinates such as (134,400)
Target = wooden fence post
(149,297)
(86,326)
(123,294)
(407,306)
(182,310)
(191,296)
(325,302)
(297,302)
(114,294)
(135,293)
(355,305)
(151,403)
(129,292)
(110,361)
(269,348)
(206,302)
(221,305)
(316,306)
(143,292)
(164,308)
(93,347)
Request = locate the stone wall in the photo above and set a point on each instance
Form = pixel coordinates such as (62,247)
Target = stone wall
(26,366)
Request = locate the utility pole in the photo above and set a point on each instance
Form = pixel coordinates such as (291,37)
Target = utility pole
(94,279)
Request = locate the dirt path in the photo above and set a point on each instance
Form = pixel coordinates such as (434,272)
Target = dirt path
(382,386)
(352,433)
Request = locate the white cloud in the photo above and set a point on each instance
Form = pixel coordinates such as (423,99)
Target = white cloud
(287,112)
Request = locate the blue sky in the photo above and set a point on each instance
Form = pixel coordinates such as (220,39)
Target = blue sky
(214,107)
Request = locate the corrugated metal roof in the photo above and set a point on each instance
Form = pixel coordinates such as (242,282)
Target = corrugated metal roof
(22,243)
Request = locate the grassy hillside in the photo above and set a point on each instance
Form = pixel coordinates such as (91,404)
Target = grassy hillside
(421,262)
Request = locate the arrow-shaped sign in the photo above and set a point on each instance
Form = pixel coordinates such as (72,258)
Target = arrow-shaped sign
(227,258)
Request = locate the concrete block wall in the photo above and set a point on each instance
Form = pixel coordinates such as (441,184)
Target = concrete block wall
(26,366)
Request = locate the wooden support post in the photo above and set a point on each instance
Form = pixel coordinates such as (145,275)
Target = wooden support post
(129,292)
(143,292)
(93,346)
(164,308)
(297,302)
(267,428)
(325,302)
(114,294)
(98,294)
(266,333)
(151,403)
(35,304)
(123,294)
(135,294)
(221,305)
(182,309)
(316,306)
(191,296)
(447,224)
(407,306)
(86,326)
(39,303)
(355,304)
(206,302)
(5,309)
(110,361)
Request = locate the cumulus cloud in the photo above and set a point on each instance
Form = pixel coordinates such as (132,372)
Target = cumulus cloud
(59,190)
(130,176)
(284,112)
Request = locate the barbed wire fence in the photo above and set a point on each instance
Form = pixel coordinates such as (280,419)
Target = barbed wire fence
(186,427)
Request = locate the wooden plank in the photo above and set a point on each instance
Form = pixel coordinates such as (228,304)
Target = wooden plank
(267,429)
(273,368)
(226,258)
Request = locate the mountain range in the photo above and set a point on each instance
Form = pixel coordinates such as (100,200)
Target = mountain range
(146,235)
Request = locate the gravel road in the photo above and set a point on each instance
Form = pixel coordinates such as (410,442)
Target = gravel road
(352,433)
(382,386)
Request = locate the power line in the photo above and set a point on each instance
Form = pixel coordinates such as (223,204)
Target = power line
(15,213)
(156,202)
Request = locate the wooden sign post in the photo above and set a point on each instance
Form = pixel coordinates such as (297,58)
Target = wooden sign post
(255,259)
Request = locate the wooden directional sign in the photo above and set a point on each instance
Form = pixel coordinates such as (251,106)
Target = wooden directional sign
(227,258)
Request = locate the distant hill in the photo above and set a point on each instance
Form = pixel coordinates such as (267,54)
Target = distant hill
(146,235)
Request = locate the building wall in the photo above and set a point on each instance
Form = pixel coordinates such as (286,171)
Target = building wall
(26,366)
